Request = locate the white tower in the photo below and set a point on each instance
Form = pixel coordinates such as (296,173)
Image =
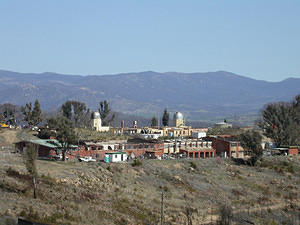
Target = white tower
(178,119)
(96,121)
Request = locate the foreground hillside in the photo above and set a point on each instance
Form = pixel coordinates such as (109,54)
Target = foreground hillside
(98,193)
(198,95)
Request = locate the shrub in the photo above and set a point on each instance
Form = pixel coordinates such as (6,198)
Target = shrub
(14,173)
(193,165)
(278,194)
(218,161)
(136,162)
(47,179)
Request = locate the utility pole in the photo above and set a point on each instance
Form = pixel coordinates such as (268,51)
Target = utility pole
(162,208)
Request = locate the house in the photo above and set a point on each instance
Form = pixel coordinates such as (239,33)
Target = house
(291,150)
(139,146)
(197,149)
(227,146)
(115,157)
(223,125)
(46,148)
(198,134)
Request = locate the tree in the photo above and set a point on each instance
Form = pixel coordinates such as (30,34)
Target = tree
(105,113)
(165,118)
(32,115)
(251,142)
(281,122)
(36,113)
(8,113)
(65,133)
(67,109)
(77,112)
(27,112)
(154,122)
(30,156)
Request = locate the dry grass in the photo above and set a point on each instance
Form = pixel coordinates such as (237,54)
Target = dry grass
(98,193)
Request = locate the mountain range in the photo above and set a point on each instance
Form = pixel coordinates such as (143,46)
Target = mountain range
(198,95)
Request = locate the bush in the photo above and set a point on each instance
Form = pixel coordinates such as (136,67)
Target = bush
(193,165)
(136,162)
(47,179)
(14,173)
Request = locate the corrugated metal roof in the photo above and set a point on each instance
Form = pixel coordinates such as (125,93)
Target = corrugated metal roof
(50,143)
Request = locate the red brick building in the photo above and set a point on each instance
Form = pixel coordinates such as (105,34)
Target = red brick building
(139,146)
(197,149)
(227,146)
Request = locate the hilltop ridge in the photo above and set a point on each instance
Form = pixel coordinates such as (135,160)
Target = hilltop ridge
(197,95)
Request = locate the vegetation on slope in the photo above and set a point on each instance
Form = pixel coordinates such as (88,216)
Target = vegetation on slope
(194,190)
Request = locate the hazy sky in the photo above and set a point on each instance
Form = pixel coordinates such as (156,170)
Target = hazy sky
(257,38)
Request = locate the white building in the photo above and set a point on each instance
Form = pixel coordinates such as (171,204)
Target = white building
(115,157)
(198,134)
(97,123)
(149,136)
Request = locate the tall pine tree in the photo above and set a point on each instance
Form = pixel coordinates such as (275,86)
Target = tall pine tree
(105,111)
(165,118)
(33,116)
(37,113)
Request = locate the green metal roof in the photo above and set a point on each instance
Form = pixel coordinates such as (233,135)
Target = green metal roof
(50,143)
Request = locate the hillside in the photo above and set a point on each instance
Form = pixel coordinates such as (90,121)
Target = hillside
(198,95)
(98,193)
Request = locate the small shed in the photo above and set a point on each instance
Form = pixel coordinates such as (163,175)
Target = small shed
(115,157)
(291,150)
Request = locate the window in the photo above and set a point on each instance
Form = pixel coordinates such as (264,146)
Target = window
(116,156)
(201,154)
(94,148)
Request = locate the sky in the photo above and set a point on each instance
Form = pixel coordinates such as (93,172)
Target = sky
(258,38)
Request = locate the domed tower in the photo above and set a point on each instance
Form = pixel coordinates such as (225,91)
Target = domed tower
(96,121)
(178,119)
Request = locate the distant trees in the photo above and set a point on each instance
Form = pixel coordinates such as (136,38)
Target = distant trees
(105,113)
(77,112)
(251,142)
(165,118)
(8,114)
(154,122)
(64,134)
(32,115)
(281,122)
(30,156)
